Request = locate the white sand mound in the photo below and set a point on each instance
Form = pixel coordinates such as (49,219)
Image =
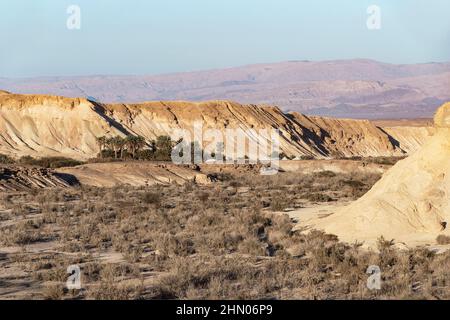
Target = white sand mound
(410,204)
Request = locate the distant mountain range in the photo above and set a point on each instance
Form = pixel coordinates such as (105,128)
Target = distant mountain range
(344,88)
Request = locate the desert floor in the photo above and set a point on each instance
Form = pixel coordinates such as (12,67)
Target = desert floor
(236,236)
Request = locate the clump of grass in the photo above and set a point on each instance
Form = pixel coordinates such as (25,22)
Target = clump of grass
(53,291)
(225,246)
(279,202)
(152,198)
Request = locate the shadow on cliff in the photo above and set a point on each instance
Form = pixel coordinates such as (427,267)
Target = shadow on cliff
(311,136)
(101,111)
(392,140)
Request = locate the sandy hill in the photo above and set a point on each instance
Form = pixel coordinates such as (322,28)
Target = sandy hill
(40,125)
(409,204)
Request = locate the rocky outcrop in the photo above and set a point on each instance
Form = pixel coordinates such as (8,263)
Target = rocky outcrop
(409,204)
(39,125)
(21,178)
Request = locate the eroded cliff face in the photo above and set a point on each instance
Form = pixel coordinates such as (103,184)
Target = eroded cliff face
(409,204)
(50,126)
(346,137)
(410,138)
(39,125)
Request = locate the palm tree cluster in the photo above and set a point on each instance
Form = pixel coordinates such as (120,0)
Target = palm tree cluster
(130,144)
(135,147)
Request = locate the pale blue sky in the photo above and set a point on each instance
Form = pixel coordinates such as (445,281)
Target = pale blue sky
(163,36)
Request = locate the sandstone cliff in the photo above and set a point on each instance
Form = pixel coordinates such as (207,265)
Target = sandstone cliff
(40,125)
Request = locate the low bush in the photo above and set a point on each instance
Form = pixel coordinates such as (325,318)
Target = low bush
(49,162)
(319,197)
(4,159)
(151,198)
(443,240)
(198,242)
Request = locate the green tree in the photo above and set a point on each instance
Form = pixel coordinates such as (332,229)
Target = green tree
(102,142)
(163,148)
(134,144)
(116,144)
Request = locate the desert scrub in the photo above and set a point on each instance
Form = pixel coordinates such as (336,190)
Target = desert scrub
(443,240)
(279,202)
(4,159)
(170,241)
(318,197)
(152,198)
(25,232)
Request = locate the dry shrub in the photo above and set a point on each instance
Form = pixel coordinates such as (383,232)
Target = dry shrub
(53,291)
(189,242)
(151,198)
(279,202)
(443,239)
(113,291)
(203,196)
(319,197)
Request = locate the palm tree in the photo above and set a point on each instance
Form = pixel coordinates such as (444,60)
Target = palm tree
(134,144)
(163,148)
(102,141)
(121,144)
(116,144)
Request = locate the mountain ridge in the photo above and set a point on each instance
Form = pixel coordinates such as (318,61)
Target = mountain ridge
(346,88)
(43,125)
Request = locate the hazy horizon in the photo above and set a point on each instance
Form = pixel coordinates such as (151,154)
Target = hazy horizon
(218,69)
(161,37)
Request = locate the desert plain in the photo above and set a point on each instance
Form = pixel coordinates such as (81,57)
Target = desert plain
(349,194)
